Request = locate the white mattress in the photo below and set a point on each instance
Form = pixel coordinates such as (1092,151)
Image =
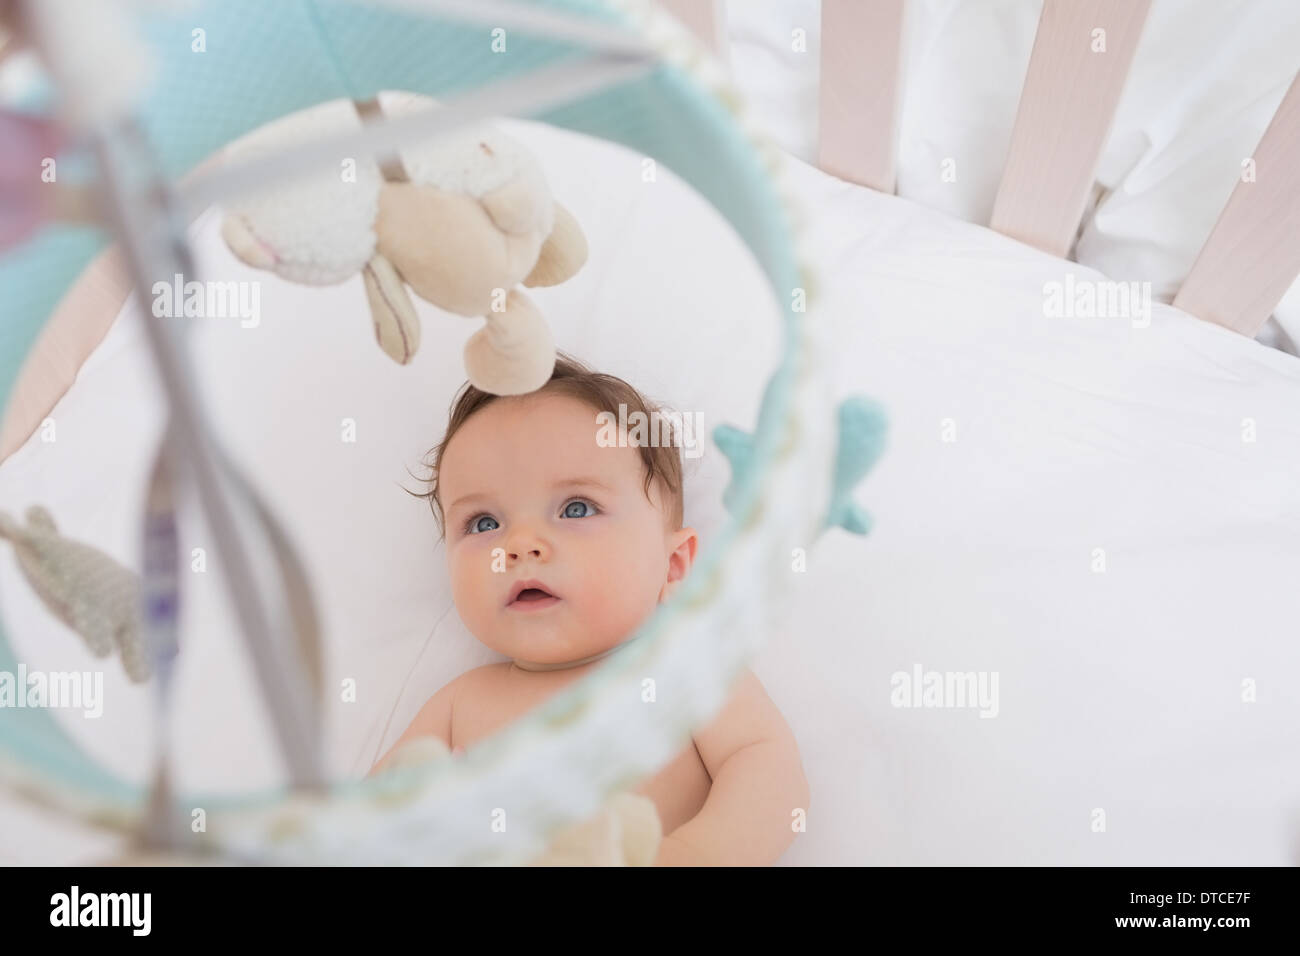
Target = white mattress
(1119,690)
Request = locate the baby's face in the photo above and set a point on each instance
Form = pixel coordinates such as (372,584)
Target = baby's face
(529,496)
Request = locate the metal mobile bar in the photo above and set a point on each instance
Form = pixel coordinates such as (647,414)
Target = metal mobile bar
(153,239)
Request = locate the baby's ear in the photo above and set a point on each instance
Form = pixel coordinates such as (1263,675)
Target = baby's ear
(684,544)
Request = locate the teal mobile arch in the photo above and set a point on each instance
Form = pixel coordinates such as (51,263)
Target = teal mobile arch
(620,71)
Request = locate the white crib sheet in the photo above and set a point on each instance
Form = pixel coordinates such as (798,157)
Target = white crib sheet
(1119,690)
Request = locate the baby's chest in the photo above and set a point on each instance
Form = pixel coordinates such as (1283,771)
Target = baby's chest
(488,710)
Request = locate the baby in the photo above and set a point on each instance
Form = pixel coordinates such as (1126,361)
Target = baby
(559,548)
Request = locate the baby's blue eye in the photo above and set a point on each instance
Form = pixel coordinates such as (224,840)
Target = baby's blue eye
(579,508)
(476,525)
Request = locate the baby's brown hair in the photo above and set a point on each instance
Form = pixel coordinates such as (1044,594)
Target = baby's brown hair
(604,393)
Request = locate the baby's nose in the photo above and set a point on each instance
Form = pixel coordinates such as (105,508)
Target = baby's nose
(525,543)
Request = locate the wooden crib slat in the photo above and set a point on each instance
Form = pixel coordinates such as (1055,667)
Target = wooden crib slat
(1066,106)
(861,53)
(704,17)
(1253,253)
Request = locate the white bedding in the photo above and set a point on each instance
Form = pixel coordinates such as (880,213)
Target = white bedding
(1206,79)
(1118,690)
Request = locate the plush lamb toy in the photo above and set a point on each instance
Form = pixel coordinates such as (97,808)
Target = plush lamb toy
(462,220)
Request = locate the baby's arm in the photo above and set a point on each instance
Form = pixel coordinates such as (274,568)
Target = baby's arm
(758,781)
(433,720)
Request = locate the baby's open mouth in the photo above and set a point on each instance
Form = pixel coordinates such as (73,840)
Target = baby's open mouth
(531,595)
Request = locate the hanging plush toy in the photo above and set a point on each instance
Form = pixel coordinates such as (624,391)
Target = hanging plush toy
(83,587)
(462,221)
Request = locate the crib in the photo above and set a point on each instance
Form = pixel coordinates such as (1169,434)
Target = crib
(1087,503)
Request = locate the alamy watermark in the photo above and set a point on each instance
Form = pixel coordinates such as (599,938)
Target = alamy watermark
(129,910)
(1098,299)
(204,300)
(945,689)
(659,429)
(62,689)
